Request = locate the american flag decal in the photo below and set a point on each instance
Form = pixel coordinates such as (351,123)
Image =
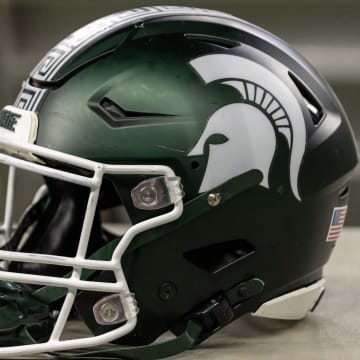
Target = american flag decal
(337,223)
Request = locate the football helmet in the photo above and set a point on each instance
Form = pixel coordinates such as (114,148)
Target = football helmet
(230,154)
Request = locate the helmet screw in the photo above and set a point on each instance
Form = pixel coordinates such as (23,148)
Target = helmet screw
(167,291)
(243,291)
(148,195)
(109,312)
(214,199)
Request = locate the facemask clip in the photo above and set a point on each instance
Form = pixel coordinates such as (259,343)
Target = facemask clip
(157,193)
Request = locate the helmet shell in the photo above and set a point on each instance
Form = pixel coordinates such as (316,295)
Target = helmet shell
(132,96)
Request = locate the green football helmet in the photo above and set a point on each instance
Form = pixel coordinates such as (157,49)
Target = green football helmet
(229,153)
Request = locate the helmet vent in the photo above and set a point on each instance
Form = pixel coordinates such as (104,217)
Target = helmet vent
(344,192)
(214,40)
(217,257)
(113,109)
(115,115)
(116,111)
(314,107)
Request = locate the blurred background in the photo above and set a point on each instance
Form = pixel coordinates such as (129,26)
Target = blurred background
(326,32)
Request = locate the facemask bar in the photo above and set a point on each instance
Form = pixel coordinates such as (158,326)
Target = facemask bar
(6,228)
(79,262)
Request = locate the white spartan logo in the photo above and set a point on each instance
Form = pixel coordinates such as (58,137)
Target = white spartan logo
(251,135)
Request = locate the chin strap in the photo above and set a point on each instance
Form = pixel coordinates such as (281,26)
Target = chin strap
(172,347)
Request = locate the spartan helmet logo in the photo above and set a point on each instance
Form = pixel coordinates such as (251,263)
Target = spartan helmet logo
(251,128)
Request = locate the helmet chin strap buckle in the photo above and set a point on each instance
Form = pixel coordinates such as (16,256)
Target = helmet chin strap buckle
(213,316)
